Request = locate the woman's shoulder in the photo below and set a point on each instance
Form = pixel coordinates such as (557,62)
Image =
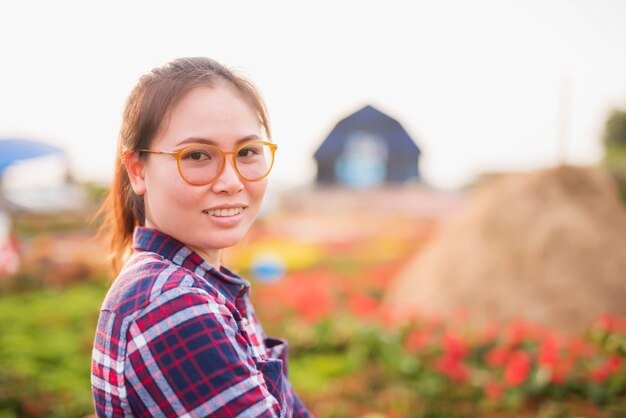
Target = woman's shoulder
(146,277)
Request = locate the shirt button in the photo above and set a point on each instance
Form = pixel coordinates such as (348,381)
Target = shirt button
(245,321)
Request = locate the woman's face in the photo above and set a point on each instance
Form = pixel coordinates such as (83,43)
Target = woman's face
(201,216)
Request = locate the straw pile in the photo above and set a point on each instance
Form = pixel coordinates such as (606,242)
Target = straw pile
(548,247)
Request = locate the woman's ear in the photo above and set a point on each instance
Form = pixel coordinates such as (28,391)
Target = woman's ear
(135,169)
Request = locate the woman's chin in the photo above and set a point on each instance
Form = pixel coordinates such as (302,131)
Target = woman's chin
(220,242)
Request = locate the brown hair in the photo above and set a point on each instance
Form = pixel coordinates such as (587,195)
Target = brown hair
(146,109)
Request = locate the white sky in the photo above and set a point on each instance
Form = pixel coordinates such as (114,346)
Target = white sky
(477,83)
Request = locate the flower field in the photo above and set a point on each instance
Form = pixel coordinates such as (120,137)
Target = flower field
(352,354)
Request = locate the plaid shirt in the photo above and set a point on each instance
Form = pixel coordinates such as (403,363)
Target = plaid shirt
(177,337)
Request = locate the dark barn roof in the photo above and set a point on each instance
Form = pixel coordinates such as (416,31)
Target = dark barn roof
(374,121)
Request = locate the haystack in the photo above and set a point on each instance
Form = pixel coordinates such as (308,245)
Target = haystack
(547,246)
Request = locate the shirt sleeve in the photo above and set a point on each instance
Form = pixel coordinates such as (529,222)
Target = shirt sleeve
(186,356)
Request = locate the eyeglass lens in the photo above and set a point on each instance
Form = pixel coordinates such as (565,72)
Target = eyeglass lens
(201,164)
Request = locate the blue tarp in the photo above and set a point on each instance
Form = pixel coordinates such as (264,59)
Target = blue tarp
(13,150)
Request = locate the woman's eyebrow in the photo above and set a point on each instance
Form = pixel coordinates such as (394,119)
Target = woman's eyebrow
(209,141)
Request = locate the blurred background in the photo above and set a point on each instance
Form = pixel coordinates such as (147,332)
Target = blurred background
(445,230)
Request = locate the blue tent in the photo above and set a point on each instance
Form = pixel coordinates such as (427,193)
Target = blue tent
(13,150)
(366,149)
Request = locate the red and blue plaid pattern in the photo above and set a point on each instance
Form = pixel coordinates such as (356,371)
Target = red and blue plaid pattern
(177,337)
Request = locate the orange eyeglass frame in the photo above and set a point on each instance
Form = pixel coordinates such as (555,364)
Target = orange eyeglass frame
(176,154)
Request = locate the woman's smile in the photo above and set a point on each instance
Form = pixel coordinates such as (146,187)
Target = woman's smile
(225,217)
(224,212)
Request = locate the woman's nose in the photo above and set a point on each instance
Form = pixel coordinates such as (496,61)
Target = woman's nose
(228,181)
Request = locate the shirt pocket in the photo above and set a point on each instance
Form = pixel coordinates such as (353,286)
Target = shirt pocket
(272,371)
(276,348)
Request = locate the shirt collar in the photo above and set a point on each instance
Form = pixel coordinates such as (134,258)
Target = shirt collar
(152,240)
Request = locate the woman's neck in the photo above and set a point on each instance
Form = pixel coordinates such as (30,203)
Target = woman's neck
(212,257)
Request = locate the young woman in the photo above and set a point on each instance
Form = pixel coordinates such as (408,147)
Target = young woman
(177,335)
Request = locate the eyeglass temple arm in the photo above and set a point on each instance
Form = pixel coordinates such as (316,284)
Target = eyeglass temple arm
(155,151)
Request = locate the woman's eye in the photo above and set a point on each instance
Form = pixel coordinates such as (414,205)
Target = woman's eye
(196,155)
(247,152)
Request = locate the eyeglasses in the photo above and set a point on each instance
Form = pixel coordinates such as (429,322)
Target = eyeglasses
(200,164)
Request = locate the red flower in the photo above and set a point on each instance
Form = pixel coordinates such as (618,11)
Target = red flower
(607,322)
(580,348)
(548,351)
(454,346)
(453,368)
(381,276)
(387,316)
(621,326)
(489,333)
(561,369)
(497,356)
(313,301)
(611,323)
(494,390)
(610,366)
(520,331)
(517,332)
(517,368)
(361,305)
(417,339)
(551,358)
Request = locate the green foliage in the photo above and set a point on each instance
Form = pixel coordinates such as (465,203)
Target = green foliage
(614,141)
(95,192)
(31,225)
(374,369)
(45,351)
(312,371)
(615,130)
(342,366)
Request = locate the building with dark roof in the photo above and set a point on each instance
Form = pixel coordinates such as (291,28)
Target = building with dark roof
(367,149)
